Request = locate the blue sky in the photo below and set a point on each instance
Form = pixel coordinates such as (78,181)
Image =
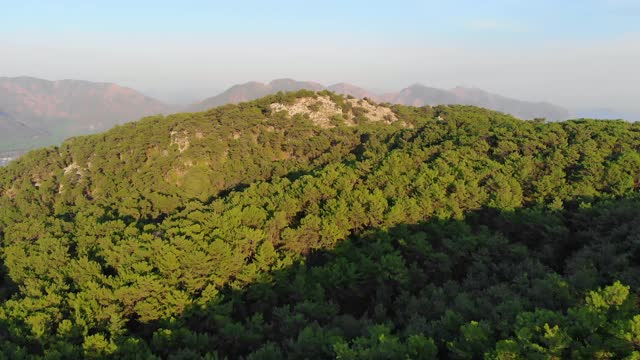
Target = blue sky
(530,49)
(457,20)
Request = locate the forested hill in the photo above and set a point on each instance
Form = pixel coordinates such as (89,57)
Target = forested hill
(310,225)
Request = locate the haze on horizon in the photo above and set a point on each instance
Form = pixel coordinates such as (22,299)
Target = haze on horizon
(583,55)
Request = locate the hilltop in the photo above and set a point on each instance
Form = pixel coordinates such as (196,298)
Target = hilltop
(310,224)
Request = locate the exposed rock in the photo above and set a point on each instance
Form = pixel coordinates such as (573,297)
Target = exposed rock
(181,139)
(320,110)
(374,112)
(324,112)
(73,167)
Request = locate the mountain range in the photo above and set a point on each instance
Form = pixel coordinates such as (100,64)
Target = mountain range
(36,112)
(414,95)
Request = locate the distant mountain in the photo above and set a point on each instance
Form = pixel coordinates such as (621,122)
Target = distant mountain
(415,95)
(253,90)
(45,112)
(355,91)
(420,95)
(17,129)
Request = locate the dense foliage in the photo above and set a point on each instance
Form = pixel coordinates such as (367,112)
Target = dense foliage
(241,233)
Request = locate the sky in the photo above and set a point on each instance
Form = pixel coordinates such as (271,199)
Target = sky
(582,54)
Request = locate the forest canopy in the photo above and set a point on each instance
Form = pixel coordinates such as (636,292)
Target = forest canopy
(246,232)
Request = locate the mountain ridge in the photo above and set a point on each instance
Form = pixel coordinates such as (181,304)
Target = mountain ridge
(40,112)
(414,95)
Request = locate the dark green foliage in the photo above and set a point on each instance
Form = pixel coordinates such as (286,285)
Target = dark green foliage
(242,233)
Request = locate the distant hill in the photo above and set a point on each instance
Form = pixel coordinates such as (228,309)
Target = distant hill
(253,90)
(415,95)
(355,91)
(17,129)
(420,95)
(41,112)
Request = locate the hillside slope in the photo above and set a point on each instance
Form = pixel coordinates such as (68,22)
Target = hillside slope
(309,225)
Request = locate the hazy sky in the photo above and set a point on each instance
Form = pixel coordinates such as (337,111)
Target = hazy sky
(577,53)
